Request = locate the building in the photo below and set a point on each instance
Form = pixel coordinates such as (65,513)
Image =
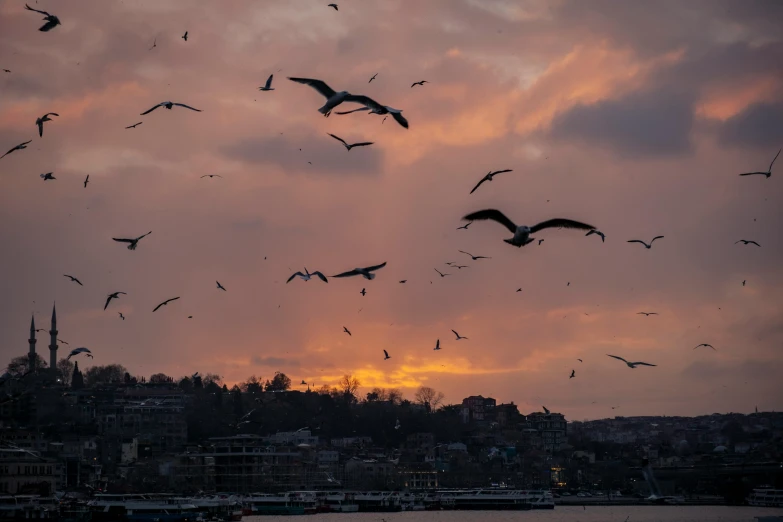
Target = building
(23,471)
(31,355)
(551,429)
(478,408)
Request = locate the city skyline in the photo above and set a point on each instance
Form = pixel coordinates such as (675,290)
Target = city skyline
(639,132)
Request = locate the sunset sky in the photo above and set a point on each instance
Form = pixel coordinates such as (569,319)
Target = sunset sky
(636,117)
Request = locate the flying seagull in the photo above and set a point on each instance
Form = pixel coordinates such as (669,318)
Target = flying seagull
(546,410)
(441,273)
(461,266)
(489,177)
(465,226)
(366,272)
(169,105)
(419,83)
(746,241)
(40,121)
(185,36)
(522,232)
(386,355)
(375,108)
(346,330)
(268,85)
(371,79)
(133,242)
(134,125)
(211,176)
(349,147)
(332,5)
(631,364)
(597,232)
(303,383)
(219,286)
(647,313)
(73,279)
(540,241)
(121,316)
(333,98)
(437,345)
(706,345)
(154,44)
(475,258)
(18,147)
(77,351)
(646,245)
(458,335)
(743,282)
(47,176)
(115,295)
(769,171)
(573,374)
(51,20)
(7,70)
(403,281)
(86,180)
(363,292)
(307,275)
(580,360)
(164,303)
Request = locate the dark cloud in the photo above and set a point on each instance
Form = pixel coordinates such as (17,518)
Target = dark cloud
(652,123)
(760,125)
(275,362)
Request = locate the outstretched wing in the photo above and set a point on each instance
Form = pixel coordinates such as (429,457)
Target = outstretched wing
(399,118)
(500,172)
(367,102)
(121,240)
(751,173)
(134,125)
(108,300)
(479,184)
(637,241)
(269,81)
(773,160)
(385,353)
(187,107)
(147,234)
(559,222)
(36,10)
(643,364)
(338,139)
(293,276)
(656,237)
(494,215)
(618,358)
(353,110)
(362,144)
(152,109)
(323,89)
(321,276)
(753,242)
(376,267)
(347,274)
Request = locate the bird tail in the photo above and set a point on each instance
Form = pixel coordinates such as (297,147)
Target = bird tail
(511,242)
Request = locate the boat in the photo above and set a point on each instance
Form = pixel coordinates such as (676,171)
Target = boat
(339,502)
(378,502)
(490,499)
(160,508)
(221,507)
(26,507)
(766,496)
(290,503)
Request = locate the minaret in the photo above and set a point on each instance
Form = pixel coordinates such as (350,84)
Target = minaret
(31,356)
(53,344)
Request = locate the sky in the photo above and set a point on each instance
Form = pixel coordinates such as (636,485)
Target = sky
(635,117)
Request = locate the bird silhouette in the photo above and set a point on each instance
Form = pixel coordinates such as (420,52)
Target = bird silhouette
(164,303)
(488,177)
(115,295)
(646,245)
(219,286)
(132,242)
(768,173)
(386,355)
(73,279)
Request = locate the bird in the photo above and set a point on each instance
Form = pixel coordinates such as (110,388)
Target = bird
(366,272)
(371,79)
(333,98)
(363,292)
(631,364)
(332,5)
(489,177)
(647,313)
(47,176)
(303,383)
(522,232)
(465,226)
(419,83)
(51,20)
(519,289)
(706,345)
(219,286)
(769,171)
(212,176)
(743,282)
(132,242)
(77,351)
(580,360)
(40,121)
(375,108)
(115,295)
(597,232)
(546,410)
(441,273)
(7,70)
(185,36)
(437,345)
(121,316)
(61,341)
(307,275)
(573,374)
(73,279)
(386,355)
(475,258)
(460,266)
(169,105)
(86,180)
(647,246)
(403,281)
(458,335)
(134,125)
(164,303)
(268,85)
(349,147)
(540,241)
(154,44)
(346,330)
(747,241)
(18,147)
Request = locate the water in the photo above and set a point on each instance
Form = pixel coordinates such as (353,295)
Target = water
(559,514)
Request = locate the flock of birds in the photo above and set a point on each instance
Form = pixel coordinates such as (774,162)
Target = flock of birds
(521,234)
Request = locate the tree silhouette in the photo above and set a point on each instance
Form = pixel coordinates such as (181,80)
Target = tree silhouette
(280,382)
(19,365)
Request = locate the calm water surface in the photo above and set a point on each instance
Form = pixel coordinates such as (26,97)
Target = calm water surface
(559,514)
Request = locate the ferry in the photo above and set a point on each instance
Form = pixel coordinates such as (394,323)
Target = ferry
(490,499)
(766,497)
(27,507)
(339,502)
(160,508)
(219,507)
(378,501)
(290,503)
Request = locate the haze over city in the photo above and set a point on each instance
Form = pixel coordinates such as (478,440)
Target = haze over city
(633,117)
